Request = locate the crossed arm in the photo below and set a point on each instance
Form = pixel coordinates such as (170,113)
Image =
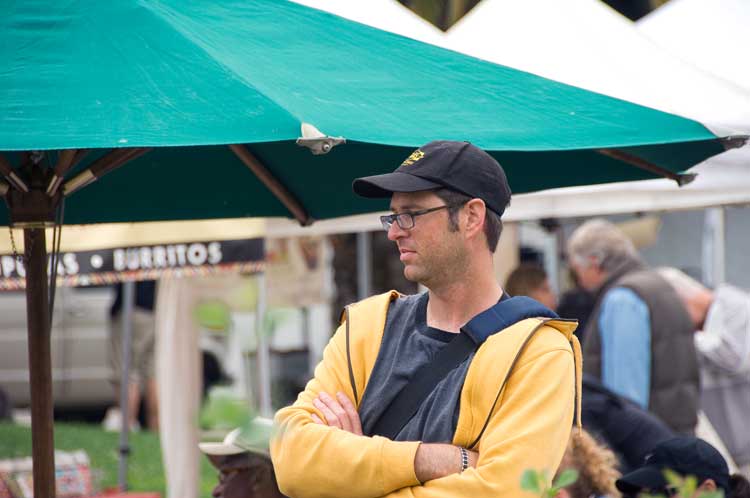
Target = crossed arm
(432,461)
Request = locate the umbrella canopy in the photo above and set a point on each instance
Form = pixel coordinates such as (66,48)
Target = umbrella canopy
(176,76)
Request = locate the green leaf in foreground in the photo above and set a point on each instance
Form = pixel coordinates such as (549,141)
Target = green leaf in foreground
(566,478)
(530,481)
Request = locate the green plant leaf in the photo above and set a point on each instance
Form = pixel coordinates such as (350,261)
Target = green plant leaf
(712,494)
(224,411)
(673,478)
(566,478)
(530,481)
(690,484)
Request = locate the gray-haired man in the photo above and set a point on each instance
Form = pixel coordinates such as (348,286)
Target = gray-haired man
(639,339)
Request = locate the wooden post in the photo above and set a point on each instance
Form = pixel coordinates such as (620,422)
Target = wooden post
(40,362)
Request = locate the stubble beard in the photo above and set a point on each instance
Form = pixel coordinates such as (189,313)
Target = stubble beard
(444,266)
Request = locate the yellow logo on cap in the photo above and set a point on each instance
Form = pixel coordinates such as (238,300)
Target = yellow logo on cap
(414,157)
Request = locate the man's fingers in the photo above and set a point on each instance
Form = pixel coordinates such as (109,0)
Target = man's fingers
(338,411)
(351,412)
(330,417)
(317,420)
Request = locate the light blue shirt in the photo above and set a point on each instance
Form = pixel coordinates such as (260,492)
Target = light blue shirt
(625,328)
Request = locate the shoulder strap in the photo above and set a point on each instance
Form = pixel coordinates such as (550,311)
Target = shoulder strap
(410,398)
(349,359)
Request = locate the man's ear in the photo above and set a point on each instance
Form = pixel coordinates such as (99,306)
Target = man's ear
(707,485)
(475,212)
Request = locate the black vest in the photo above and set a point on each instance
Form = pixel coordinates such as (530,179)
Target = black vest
(675,382)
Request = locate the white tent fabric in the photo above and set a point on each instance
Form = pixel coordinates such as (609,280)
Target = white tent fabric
(711,34)
(587,44)
(387,15)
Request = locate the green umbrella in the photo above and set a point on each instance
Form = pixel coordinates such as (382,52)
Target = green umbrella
(103,75)
(189,93)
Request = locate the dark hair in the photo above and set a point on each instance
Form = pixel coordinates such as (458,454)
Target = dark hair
(525,279)
(739,486)
(493,225)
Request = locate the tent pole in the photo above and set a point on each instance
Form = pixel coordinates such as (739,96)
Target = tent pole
(40,362)
(263,353)
(128,306)
(364,265)
(714,246)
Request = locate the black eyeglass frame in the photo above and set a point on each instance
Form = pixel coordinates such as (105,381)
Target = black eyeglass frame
(408,217)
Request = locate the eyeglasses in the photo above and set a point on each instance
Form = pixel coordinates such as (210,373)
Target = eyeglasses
(406,220)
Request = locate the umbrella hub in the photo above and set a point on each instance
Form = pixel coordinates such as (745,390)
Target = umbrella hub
(33,208)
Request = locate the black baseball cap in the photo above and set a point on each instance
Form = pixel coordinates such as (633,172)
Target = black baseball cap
(683,455)
(459,166)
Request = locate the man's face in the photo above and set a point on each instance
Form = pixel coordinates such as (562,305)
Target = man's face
(589,276)
(430,251)
(544,295)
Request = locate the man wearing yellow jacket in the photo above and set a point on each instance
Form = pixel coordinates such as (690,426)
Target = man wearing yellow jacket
(504,407)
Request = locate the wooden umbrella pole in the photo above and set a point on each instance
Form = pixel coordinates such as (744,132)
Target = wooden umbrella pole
(40,362)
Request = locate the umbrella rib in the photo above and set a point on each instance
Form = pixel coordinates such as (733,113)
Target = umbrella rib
(680,178)
(109,162)
(8,172)
(64,162)
(273,184)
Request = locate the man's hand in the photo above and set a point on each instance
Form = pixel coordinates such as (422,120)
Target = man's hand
(432,461)
(339,412)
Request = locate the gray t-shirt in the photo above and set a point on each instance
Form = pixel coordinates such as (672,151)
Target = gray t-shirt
(408,343)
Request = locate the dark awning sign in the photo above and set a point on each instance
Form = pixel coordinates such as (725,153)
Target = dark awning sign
(109,266)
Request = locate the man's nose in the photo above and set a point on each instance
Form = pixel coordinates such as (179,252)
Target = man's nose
(395,232)
(218,490)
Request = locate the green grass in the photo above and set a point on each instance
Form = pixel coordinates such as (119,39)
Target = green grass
(145,470)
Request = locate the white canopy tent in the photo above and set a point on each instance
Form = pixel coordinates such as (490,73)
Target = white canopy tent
(711,34)
(587,44)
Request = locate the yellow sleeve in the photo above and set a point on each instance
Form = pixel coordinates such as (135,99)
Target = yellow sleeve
(529,430)
(312,460)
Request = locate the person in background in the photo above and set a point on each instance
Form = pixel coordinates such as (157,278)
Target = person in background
(576,303)
(629,430)
(639,340)
(596,465)
(531,280)
(245,469)
(141,370)
(6,407)
(687,456)
(721,318)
